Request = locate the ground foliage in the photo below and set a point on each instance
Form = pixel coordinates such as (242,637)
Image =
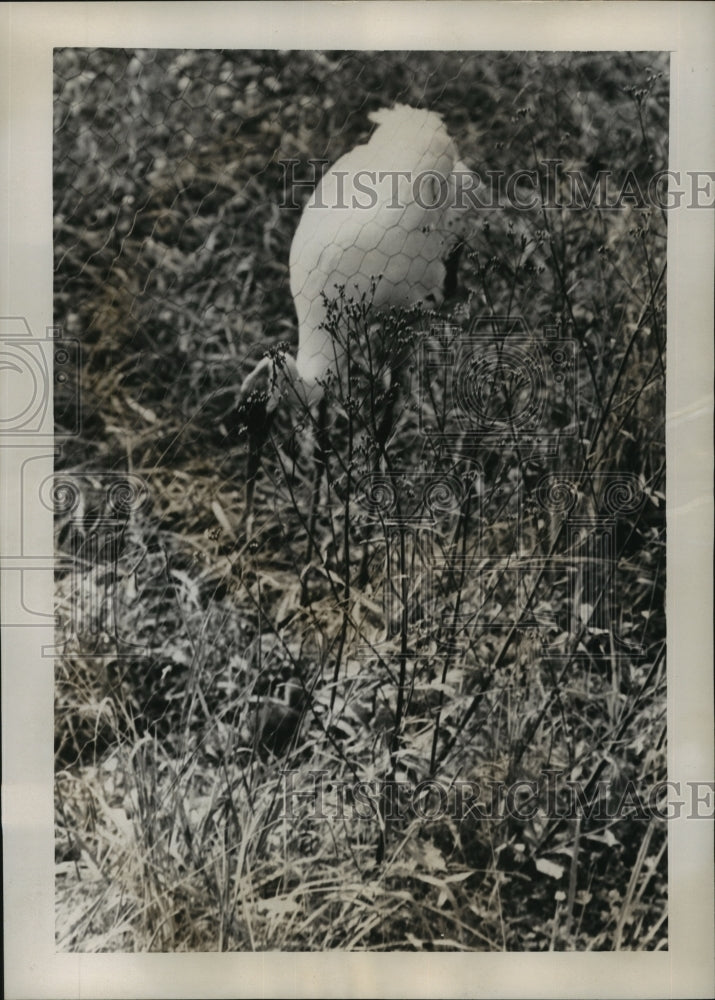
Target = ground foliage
(176,826)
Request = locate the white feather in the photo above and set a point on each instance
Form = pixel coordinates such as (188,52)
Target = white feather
(385,215)
(387,211)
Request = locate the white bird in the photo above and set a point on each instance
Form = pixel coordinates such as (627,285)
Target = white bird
(383,222)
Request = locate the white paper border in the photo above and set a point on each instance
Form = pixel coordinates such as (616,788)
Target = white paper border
(29,32)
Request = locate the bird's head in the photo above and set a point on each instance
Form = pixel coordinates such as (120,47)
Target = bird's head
(272,381)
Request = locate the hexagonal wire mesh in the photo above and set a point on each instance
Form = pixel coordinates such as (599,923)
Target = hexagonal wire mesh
(459,620)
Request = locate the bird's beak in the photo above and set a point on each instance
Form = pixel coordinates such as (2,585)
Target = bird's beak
(256,416)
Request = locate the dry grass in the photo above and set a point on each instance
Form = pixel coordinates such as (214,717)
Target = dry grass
(177,828)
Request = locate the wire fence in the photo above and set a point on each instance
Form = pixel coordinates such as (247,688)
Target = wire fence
(474,593)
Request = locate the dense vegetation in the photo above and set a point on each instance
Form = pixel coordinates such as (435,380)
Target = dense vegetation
(512,625)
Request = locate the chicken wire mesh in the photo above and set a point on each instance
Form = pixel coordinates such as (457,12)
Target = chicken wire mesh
(485,603)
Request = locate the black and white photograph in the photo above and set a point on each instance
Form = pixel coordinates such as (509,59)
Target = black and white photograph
(356,505)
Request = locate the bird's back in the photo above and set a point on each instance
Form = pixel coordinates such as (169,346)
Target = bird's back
(386,212)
